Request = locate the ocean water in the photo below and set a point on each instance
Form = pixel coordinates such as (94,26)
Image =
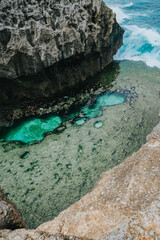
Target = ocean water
(141,21)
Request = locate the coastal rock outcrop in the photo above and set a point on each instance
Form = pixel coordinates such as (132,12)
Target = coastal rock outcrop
(46,46)
(10,217)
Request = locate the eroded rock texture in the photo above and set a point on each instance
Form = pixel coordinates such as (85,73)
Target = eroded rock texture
(33,235)
(9,215)
(46,46)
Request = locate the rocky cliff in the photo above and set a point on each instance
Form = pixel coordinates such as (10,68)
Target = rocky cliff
(125,204)
(49,45)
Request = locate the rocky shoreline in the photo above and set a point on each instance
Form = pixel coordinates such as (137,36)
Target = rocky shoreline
(123,205)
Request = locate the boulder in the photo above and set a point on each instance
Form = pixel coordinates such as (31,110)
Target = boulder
(10,217)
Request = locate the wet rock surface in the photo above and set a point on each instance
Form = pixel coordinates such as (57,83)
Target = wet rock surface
(46,46)
(10,217)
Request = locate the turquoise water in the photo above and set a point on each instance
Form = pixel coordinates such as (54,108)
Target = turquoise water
(31,130)
(140,19)
(34,129)
(45,178)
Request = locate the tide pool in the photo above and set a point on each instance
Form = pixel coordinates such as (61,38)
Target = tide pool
(31,130)
(45,178)
(35,129)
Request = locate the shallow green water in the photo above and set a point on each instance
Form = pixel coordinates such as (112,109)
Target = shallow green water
(34,129)
(43,179)
(31,130)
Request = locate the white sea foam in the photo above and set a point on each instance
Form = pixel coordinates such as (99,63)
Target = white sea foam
(126,5)
(141,44)
(120,14)
(118,10)
(152,36)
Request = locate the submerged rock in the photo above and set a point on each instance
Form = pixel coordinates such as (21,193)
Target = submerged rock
(10,217)
(98,124)
(79,122)
(46,46)
(24,155)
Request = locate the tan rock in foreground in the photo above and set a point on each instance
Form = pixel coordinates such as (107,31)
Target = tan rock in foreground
(23,234)
(125,203)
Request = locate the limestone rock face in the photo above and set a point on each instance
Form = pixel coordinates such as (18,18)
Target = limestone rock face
(48,45)
(9,215)
(125,203)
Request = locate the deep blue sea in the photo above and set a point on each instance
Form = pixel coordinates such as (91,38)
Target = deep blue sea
(141,21)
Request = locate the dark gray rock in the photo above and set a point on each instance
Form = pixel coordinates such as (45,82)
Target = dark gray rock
(46,46)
